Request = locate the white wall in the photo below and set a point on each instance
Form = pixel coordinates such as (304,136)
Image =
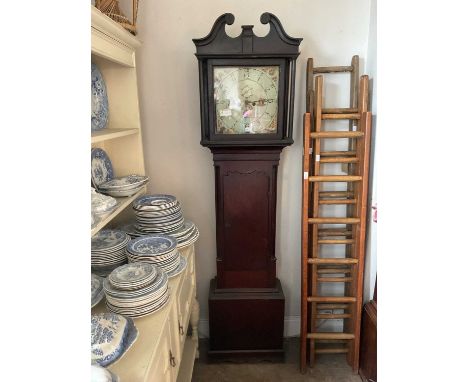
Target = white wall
(333,31)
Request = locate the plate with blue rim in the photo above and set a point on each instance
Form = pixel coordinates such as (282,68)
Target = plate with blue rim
(152,245)
(101,167)
(99,100)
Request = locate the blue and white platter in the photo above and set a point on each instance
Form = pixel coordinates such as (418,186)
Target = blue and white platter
(101,167)
(99,100)
(111,336)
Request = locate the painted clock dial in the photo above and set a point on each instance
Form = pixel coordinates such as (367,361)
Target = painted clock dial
(246,99)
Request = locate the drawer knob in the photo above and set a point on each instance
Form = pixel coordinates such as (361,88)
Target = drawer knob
(172,359)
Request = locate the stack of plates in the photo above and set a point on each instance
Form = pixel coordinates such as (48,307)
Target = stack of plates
(136,289)
(108,251)
(186,235)
(159,250)
(102,177)
(157,214)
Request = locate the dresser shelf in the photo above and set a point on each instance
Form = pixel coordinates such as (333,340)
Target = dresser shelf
(107,134)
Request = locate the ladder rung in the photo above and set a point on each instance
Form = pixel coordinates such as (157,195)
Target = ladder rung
(334,220)
(330,299)
(337,153)
(341,116)
(331,351)
(336,241)
(317,260)
(337,201)
(335,178)
(336,194)
(332,306)
(339,160)
(336,134)
(333,69)
(330,336)
(340,110)
(332,316)
(333,270)
(334,279)
(334,232)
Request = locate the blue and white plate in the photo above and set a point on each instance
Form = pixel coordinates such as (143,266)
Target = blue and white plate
(154,245)
(155,202)
(101,167)
(99,101)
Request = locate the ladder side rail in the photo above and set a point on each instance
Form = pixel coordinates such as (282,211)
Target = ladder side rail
(365,146)
(305,241)
(315,204)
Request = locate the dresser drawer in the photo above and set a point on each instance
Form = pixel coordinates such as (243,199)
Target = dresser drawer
(185,298)
(162,369)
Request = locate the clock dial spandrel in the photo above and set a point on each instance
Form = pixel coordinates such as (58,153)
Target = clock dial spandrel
(246,99)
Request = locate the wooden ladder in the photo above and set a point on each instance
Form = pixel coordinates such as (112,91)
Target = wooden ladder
(348,230)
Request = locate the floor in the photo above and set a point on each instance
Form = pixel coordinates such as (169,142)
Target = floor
(329,368)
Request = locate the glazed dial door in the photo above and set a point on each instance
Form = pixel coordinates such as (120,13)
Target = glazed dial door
(246,99)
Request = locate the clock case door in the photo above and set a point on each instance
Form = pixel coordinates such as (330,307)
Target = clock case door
(258,138)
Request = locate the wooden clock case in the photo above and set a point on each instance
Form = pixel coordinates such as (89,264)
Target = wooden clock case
(246,300)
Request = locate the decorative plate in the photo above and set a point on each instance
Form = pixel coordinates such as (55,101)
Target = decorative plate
(99,101)
(101,167)
(152,245)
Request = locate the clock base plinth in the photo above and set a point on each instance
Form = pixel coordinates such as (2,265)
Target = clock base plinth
(246,323)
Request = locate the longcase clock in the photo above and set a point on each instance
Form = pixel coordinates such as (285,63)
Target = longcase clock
(246,105)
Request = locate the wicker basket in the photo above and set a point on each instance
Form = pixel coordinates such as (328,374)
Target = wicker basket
(111,8)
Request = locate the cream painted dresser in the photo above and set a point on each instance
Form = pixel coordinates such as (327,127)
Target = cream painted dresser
(163,352)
